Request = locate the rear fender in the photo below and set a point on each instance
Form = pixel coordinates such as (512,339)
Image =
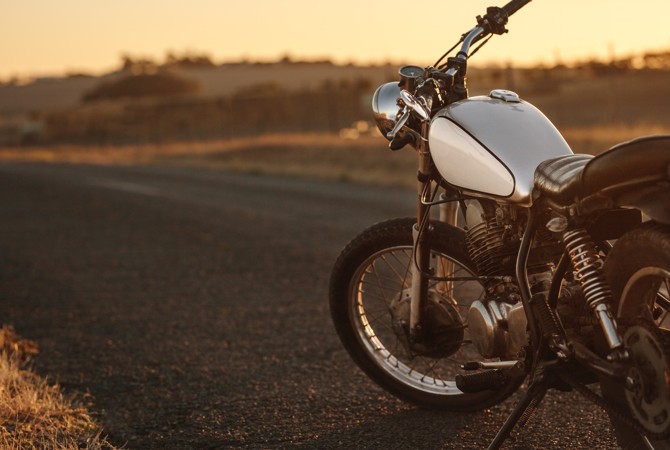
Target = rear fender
(653,201)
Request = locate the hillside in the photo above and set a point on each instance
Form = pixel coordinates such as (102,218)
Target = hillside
(218,81)
(247,99)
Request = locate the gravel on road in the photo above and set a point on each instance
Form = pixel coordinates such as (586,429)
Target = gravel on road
(190,307)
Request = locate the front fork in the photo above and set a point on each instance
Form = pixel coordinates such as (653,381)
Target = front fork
(420,262)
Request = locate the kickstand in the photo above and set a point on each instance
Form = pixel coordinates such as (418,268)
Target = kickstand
(522,411)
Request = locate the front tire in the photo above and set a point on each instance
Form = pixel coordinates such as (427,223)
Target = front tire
(638,271)
(370,274)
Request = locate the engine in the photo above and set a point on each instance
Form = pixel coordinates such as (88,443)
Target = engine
(492,240)
(497,323)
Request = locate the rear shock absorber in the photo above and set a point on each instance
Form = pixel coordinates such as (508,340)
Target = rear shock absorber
(588,271)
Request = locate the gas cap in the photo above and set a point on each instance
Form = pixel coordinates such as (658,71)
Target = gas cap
(505,95)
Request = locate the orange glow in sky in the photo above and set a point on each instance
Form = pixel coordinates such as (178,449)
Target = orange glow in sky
(40,37)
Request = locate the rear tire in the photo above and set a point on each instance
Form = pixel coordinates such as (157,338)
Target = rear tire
(638,271)
(370,273)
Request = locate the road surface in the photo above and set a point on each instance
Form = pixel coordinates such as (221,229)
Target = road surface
(192,307)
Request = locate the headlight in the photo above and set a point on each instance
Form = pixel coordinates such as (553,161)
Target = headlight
(385,106)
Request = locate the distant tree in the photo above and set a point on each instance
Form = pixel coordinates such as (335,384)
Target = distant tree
(659,60)
(126,63)
(137,65)
(327,85)
(143,85)
(623,64)
(363,84)
(188,60)
(268,88)
(78,75)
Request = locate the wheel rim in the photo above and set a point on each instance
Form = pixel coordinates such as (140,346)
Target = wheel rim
(652,286)
(385,275)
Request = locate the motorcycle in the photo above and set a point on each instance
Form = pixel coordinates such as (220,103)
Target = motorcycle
(544,269)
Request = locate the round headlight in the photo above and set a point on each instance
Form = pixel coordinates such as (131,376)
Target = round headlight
(385,106)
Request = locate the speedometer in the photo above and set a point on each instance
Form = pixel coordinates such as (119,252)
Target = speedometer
(410,72)
(409,76)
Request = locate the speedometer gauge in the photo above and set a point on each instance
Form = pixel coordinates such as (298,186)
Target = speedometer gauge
(408,77)
(410,72)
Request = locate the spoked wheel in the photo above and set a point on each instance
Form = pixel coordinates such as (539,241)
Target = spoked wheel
(369,299)
(638,270)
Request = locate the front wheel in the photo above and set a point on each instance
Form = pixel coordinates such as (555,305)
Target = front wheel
(368,295)
(638,271)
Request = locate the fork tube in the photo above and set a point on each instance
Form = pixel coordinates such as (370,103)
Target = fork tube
(448,211)
(445,267)
(421,241)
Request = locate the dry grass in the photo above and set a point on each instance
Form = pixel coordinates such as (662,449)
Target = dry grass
(317,155)
(35,414)
(322,156)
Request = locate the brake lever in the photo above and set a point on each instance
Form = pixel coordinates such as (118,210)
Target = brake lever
(399,124)
(412,104)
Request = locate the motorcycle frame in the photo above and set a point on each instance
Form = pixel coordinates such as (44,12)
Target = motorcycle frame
(421,272)
(543,370)
(548,348)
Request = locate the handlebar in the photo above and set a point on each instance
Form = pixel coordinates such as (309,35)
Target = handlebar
(448,86)
(469,38)
(514,6)
(493,22)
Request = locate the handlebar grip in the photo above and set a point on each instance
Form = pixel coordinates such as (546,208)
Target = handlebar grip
(514,6)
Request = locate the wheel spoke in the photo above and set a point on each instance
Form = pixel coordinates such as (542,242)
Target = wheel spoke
(381,281)
(373,319)
(369,294)
(402,278)
(406,265)
(431,370)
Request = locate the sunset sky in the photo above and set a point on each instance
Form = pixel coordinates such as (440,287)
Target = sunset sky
(46,37)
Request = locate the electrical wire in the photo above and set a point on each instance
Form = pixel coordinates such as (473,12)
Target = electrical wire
(422,228)
(422,225)
(472,53)
(447,53)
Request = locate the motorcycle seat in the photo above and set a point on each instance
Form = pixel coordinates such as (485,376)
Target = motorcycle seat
(567,179)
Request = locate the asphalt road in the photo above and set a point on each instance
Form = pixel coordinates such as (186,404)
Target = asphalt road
(192,307)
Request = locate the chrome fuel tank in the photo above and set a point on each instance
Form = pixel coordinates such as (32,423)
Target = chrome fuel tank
(492,145)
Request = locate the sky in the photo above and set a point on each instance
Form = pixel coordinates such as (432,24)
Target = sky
(47,37)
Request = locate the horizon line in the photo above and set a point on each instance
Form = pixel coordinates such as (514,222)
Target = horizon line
(288,58)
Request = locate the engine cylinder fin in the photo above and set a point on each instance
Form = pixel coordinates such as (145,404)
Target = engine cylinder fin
(487,249)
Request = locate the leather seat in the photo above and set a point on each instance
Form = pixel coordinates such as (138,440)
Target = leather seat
(638,162)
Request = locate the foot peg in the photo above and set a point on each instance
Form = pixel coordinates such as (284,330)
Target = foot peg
(482,381)
(498,375)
